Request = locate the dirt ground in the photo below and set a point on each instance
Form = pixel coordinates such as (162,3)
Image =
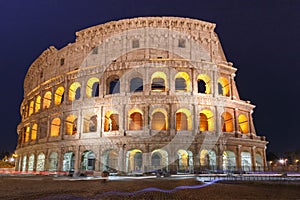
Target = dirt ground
(46,188)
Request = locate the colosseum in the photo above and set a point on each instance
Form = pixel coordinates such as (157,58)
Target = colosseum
(137,95)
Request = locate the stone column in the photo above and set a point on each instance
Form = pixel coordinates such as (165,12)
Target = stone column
(77,160)
(219,154)
(238,157)
(236,120)
(253,160)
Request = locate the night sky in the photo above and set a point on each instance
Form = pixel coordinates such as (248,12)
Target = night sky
(260,37)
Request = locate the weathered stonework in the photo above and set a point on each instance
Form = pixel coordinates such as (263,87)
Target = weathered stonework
(104,129)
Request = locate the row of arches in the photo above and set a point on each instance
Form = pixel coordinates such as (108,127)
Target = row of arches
(159,83)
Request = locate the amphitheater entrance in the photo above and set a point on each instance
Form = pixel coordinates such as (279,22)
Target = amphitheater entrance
(159,159)
(229,161)
(53,158)
(258,163)
(31,162)
(185,161)
(207,160)
(110,161)
(40,165)
(134,161)
(88,160)
(68,162)
(246,161)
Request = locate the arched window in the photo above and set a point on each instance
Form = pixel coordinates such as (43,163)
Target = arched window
(113,85)
(223,87)
(92,87)
(55,127)
(59,95)
(27,132)
(34,132)
(185,159)
(71,125)
(183,120)
(243,124)
(208,159)
(159,159)
(227,122)
(135,121)
(90,123)
(159,121)
(53,161)
(24,163)
(110,160)
(111,121)
(74,91)
(88,160)
(31,107)
(182,82)
(134,160)
(31,162)
(38,104)
(47,100)
(229,161)
(206,120)
(40,164)
(203,81)
(158,82)
(136,85)
(246,161)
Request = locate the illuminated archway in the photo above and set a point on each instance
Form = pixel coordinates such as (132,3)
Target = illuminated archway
(31,162)
(34,132)
(47,100)
(182,82)
(227,122)
(24,163)
(110,160)
(136,84)
(74,91)
(159,159)
(185,160)
(206,120)
(68,162)
(246,161)
(243,124)
(55,127)
(40,164)
(89,123)
(88,160)
(229,161)
(27,133)
(31,107)
(183,119)
(223,87)
(111,121)
(158,82)
(258,162)
(204,85)
(92,87)
(134,160)
(59,95)
(71,125)
(208,159)
(159,119)
(38,104)
(113,85)
(53,161)
(135,119)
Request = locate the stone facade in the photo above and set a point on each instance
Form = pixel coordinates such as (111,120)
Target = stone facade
(137,95)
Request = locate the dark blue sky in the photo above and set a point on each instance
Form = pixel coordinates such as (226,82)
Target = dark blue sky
(261,38)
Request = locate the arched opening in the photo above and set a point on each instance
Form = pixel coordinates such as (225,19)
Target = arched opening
(206,120)
(135,120)
(71,125)
(159,159)
(203,82)
(223,87)
(110,161)
(229,161)
(208,159)
(92,87)
(134,161)
(113,85)
(136,84)
(246,161)
(111,121)
(53,161)
(37,103)
(55,127)
(24,163)
(40,164)
(88,160)
(227,122)
(183,120)
(159,120)
(258,162)
(34,132)
(31,108)
(27,133)
(185,160)
(74,91)
(59,95)
(68,162)
(158,82)
(47,100)
(31,162)
(243,124)
(182,82)
(89,123)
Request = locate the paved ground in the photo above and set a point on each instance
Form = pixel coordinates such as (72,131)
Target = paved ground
(40,187)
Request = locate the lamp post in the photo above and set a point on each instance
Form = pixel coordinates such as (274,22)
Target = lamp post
(297,164)
(282,162)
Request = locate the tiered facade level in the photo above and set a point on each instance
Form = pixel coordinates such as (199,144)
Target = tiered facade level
(137,95)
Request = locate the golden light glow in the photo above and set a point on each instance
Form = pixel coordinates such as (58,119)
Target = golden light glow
(89,86)
(71,125)
(203,157)
(34,132)
(183,155)
(183,119)
(243,124)
(27,132)
(227,122)
(58,96)
(206,79)
(38,104)
(111,121)
(159,75)
(225,86)
(47,100)
(206,120)
(187,79)
(55,127)
(135,119)
(31,107)
(72,90)
(159,119)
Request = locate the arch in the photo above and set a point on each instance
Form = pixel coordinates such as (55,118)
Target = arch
(38,103)
(88,160)
(34,132)
(27,133)
(55,127)
(258,162)
(31,108)
(158,82)
(223,87)
(227,122)
(30,162)
(185,160)
(229,161)
(159,119)
(92,87)
(111,121)
(246,161)
(24,163)
(47,100)
(40,164)
(135,119)
(206,120)
(113,85)
(90,123)
(208,159)
(136,84)
(159,159)
(53,161)
(182,82)
(59,95)
(183,119)
(203,83)
(243,124)
(134,160)
(71,125)
(68,162)
(110,160)
(74,91)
